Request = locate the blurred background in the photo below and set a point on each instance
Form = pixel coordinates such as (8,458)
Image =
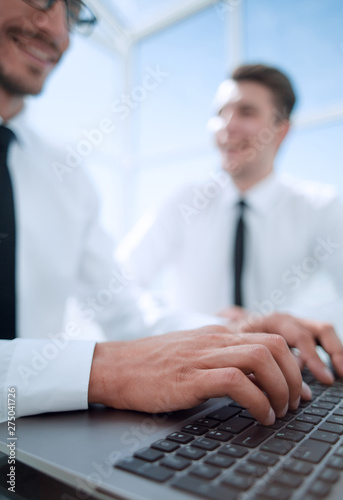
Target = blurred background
(147,76)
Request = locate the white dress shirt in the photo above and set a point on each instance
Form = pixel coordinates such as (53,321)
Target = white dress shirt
(293,230)
(62,252)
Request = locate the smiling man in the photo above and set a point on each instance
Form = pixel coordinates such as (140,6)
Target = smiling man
(246,236)
(53,247)
(28,53)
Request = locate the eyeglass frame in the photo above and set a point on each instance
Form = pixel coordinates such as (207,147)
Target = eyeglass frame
(76,24)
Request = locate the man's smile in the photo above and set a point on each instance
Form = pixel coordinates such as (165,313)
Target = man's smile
(36,50)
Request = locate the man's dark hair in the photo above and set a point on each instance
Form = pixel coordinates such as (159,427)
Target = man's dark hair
(275,80)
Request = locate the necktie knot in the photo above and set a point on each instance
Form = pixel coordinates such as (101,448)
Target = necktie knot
(6,137)
(242,205)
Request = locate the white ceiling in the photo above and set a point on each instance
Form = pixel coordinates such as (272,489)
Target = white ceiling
(123,22)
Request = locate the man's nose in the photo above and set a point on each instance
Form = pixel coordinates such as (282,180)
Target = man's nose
(231,122)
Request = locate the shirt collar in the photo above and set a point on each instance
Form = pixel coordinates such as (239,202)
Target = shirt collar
(264,195)
(18,124)
(260,197)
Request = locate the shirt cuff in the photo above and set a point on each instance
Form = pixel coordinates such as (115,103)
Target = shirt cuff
(49,376)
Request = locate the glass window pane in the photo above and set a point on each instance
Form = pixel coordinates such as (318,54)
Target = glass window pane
(192,54)
(134,13)
(302,37)
(315,154)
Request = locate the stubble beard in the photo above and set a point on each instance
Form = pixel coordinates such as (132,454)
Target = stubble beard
(17,87)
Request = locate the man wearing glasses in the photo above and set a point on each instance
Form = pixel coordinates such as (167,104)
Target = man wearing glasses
(52,247)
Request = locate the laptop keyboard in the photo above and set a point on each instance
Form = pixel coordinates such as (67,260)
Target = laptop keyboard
(228,455)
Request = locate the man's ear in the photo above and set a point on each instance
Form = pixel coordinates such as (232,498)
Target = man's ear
(283,127)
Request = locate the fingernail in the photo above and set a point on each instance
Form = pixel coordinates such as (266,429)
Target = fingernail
(329,374)
(296,404)
(284,411)
(306,391)
(271,417)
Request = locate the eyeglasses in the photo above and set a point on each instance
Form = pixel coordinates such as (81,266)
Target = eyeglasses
(79,16)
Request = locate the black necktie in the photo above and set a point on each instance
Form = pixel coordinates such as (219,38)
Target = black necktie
(239,255)
(7,242)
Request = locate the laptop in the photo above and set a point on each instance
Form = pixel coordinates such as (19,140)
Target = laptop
(215,451)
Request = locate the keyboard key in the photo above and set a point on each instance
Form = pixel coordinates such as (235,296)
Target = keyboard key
(180,437)
(287,417)
(318,412)
(329,475)
(205,444)
(205,471)
(263,458)
(338,411)
(339,451)
(223,413)
(246,414)
(219,435)
(233,450)
(317,387)
(323,404)
(255,470)
(326,426)
(239,481)
(303,404)
(190,452)
(165,445)
(335,419)
(289,479)
(300,426)
(234,403)
(253,437)
(199,488)
(320,488)
(296,411)
(312,451)
(335,462)
(290,435)
(310,419)
(276,425)
(331,399)
(220,460)
(236,425)
(197,430)
(302,468)
(130,464)
(148,454)
(207,422)
(144,469)
(278,446)
(327,437)
(336,393)
(175,462)
(273,491)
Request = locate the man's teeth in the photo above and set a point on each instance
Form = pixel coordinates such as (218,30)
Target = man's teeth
(35,51)
(40,54)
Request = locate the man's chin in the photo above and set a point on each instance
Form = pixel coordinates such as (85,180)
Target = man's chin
(20,86)
(233,168)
